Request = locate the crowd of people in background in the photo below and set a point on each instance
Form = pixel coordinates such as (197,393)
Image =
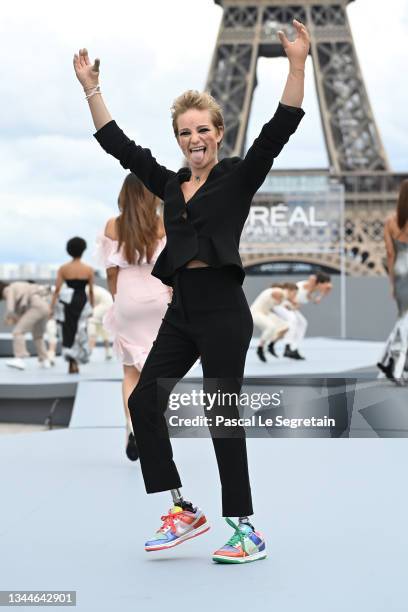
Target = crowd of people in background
(41,310)
(85,312)
(129,312)
(127,315)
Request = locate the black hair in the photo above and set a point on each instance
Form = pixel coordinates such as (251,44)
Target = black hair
(2,288)
(322,277)
(76,246)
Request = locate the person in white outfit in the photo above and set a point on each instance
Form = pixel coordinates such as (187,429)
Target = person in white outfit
(102,302)
(262,310)
(311,290)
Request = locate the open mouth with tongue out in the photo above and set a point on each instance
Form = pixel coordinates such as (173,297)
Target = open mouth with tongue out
(197,154)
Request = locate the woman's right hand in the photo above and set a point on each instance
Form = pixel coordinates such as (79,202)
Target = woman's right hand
(87,74)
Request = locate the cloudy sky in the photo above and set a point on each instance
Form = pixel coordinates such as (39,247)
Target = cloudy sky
(56,182)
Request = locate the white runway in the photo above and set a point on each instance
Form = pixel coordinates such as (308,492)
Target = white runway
(323,356)
(74,514)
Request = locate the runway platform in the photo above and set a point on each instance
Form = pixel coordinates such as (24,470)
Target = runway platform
(47,396)
(324,356)
(74,516)
(74,513)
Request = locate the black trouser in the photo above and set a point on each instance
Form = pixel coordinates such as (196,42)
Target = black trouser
(208,316)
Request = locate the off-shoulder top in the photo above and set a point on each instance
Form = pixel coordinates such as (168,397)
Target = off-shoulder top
(209,227)
(108,255)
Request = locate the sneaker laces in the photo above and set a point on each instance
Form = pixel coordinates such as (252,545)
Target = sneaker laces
(237,537)
(168,521)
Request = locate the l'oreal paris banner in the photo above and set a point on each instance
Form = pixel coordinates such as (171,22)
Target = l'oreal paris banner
(281,216)
(290,222)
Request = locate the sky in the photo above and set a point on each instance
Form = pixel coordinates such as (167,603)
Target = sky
(55,180)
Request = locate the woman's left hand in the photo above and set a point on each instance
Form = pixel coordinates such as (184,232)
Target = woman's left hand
(297,51)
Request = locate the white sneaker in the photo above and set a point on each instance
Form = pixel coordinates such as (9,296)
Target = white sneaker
(17,363)
(45,365)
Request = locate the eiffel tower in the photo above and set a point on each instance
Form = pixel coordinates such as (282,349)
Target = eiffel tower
(357,157)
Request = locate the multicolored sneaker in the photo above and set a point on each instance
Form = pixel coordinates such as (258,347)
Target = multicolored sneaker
(244,545)
(178,526)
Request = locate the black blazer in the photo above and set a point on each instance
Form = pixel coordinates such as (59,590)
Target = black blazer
(209,227)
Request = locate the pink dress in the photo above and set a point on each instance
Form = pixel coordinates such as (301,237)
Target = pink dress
(140,303)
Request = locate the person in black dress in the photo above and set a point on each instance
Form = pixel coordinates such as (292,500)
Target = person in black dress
(73,308)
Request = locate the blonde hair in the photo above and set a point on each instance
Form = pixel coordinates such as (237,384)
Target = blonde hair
(199,100)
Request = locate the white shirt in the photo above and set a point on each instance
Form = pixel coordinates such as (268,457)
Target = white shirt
(265,302)
(302,293)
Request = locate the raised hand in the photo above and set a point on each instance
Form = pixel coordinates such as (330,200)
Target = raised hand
(87,74)
(297,50)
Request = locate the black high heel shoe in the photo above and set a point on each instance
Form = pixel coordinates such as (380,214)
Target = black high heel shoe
(293,354)
(131,449)
(271,349)
(388,369)
(73,367)
(260,353)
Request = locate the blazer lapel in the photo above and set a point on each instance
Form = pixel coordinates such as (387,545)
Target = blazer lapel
(175,206)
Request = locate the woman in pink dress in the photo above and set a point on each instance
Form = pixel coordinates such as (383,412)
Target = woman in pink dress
(128,249)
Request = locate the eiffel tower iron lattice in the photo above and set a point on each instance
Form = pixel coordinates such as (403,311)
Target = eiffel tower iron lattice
(357,157)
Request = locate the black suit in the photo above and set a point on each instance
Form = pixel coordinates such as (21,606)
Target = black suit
(209,315)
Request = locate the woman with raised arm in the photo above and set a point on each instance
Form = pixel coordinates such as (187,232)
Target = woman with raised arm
(394,361)
(205,208)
